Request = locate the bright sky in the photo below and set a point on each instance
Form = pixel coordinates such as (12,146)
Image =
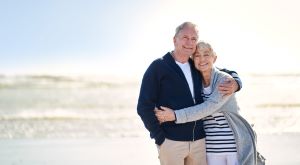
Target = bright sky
(123,37)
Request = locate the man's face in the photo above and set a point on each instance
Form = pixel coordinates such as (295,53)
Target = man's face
(186,40)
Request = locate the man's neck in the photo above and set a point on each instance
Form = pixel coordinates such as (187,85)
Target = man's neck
(180,57)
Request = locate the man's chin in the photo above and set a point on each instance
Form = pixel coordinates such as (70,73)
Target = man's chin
(188,53)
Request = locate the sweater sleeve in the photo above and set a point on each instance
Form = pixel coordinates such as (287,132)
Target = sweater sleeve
(148,101)
(235,76)
(215,101)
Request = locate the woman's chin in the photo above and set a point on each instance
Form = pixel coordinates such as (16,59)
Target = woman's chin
(204,69)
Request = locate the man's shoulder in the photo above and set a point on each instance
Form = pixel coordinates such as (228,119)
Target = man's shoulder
(162,59)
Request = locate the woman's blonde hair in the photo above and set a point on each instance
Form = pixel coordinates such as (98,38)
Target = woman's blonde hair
(203,45)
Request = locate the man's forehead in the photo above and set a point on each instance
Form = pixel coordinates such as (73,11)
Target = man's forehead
(189,29)
(188,32)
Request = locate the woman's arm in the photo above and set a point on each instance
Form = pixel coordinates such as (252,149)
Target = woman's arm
(215,101)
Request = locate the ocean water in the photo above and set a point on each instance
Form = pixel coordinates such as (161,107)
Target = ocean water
(55,106)
(271,102)
(79,107)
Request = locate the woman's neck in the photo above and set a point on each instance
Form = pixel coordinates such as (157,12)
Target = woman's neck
(206,78)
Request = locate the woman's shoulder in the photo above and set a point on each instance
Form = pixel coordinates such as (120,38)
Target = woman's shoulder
(221,74)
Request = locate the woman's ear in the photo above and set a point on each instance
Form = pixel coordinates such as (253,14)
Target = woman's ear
(215,58)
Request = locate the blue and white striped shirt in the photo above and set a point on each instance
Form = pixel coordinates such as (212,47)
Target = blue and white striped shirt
(219,136)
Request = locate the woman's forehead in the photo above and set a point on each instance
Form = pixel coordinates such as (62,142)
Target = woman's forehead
(203,50)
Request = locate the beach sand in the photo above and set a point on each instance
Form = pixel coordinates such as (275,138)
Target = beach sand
(277,148)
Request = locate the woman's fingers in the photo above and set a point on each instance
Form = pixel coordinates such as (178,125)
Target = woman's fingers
(159,115)
(164,114)
(164,108)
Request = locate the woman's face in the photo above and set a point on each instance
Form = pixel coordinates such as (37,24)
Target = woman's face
(204,59)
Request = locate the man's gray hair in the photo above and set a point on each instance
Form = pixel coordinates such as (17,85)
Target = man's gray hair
(186,24)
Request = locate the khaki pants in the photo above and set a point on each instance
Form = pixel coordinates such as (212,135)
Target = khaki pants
(182,152)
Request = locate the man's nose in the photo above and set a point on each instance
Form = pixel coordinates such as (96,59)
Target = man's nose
(190,42)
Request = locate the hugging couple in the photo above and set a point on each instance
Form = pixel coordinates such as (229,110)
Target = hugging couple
(188,106)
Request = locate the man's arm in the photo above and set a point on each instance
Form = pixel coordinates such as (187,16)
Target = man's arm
(231,85)
(147,102)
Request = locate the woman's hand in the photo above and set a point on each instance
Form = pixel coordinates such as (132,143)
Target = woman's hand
(164,114)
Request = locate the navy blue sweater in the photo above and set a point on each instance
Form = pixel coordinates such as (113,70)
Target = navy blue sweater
(164,84)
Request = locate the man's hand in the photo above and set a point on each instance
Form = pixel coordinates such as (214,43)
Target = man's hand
(228,87)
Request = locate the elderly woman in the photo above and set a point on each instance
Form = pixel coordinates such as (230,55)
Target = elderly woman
(230,140)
